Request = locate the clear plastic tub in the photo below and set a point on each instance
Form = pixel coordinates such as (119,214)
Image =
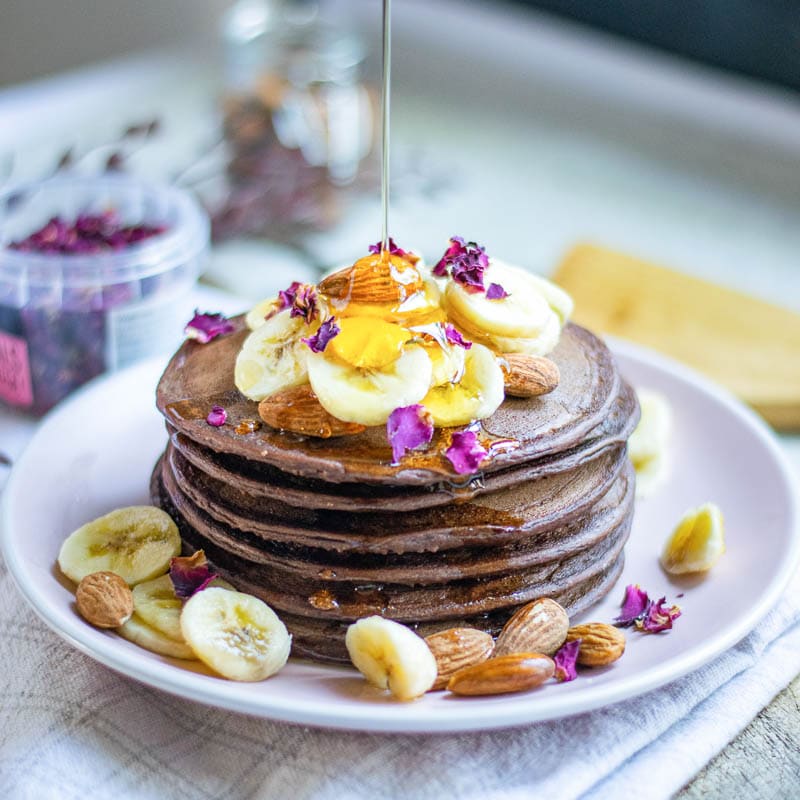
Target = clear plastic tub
(65,318)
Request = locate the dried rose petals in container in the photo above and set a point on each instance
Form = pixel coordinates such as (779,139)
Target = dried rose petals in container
(95,273)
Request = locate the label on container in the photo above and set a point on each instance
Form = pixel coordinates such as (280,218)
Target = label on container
(139,330)
(15,371)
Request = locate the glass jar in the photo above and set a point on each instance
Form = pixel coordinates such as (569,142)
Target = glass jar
(67,317)
(298,121)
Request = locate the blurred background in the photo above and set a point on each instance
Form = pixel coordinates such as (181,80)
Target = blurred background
(668,131)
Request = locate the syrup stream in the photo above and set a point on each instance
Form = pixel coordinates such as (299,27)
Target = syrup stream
(385,103)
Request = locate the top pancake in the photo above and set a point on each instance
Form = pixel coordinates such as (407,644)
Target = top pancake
(520,431)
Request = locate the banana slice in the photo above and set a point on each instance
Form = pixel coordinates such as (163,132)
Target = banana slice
(273,357)
(648,445)
(155,604)
(650,439)
(448,362)
(389,655)
(697,543)
(524,313)
(368,396)
(528,321)
(135,542)
(257,315)
(477,395)
(139,632)
(235,634)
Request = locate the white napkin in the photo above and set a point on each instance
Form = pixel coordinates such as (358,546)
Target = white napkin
(70,728)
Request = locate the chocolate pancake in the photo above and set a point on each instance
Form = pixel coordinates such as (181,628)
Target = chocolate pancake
(520,431)
(329,531)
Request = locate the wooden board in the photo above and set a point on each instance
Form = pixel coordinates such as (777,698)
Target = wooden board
(747,345)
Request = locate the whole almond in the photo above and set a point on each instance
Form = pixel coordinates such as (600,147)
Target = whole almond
(104,600)
(538,627)
(516,672)
(601,644)
(374,279)
(457,648)
(297,410)
(529,376)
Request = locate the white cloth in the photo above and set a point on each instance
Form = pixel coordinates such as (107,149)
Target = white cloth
(71,728)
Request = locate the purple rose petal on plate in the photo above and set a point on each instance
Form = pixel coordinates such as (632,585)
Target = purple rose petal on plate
(658,617)
(407,428)
(496,292)
(190,574)
(205,327)
(454,337)
(633,606)
(217,416)
(456,246)
(319,341)
(465,452)
(565,659)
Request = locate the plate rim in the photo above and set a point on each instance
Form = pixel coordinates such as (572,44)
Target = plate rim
(163,675)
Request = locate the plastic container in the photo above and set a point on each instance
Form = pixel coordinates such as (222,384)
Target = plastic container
(65,318)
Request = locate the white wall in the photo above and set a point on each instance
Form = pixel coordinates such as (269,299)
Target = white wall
(39,37)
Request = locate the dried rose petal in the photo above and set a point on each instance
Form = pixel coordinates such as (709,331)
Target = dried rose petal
(466,262)
(217,416)
(633,606)
(496,292)
(286,296)
(190,574)
(393,249)
(305,304)
(465,452)
(319,341)
(658,617)
(565,659)
(205,327)
(454,337)
(407,428)
(456,246)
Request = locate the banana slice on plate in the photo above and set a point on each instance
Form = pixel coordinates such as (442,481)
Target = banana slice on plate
(136,543)
(273,357)
(156,604)
(136,630)
(368,370)
(236,634)
(391,656)
(477,395)
(528,320)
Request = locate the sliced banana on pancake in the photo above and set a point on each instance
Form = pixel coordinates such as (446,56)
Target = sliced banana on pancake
(477,395)
(391,656)
(258,314)
(527,320)
(273,357)
(368,370)
(136,630)
(236,634)
(136,543)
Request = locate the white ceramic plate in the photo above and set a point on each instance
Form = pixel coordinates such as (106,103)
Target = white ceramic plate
(95,453)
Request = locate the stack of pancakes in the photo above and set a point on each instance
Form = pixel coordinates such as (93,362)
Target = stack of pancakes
(327,531)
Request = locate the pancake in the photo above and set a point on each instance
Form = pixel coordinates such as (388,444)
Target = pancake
(520,431)
(328,531)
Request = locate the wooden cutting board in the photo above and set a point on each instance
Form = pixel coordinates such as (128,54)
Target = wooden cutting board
(747,345)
